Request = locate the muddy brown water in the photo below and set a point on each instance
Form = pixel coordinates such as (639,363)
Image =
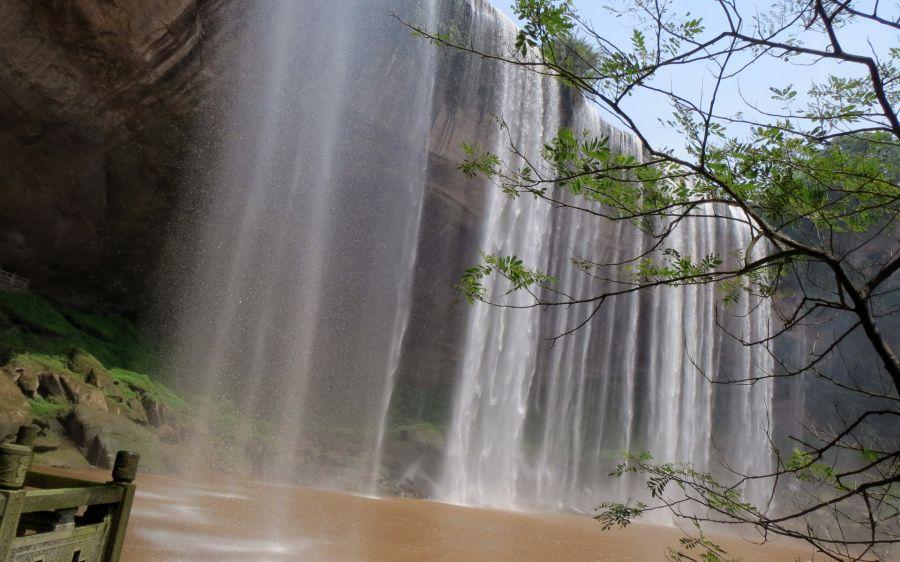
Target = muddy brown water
(217,519)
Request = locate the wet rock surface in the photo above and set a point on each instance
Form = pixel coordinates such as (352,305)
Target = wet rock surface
(47,440)
(93,372)
(28,381)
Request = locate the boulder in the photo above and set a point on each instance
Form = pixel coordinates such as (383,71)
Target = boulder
(405,488)
(93,372)
(116,406)
(100,434)
(83,394)
(64,388)
(47,441)
(135,411)
(27,381)
(115,390)
(158,414)
(49,425)
(50,385)
(14,408)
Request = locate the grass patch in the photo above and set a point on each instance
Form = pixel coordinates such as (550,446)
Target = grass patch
(33,310)
(41,362)
(156,391)
(45,409)
(111,328)
(29,323)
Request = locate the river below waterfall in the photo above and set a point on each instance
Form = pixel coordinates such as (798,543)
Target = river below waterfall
(228,520)
(174,521)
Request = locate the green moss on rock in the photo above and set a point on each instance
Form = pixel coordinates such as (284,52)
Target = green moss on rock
(31,324)
(90,368)
(83,375)
(39,362)
(138,383)
(41,408)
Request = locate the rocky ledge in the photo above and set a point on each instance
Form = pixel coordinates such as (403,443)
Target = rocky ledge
(51,375)
(86,413)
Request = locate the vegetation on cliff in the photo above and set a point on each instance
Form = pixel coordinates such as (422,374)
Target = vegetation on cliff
(84,379)
(30,324)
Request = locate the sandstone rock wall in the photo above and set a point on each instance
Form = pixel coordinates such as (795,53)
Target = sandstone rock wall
(102,106)
(96,100)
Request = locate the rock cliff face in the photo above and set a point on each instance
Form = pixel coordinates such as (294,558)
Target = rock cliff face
(105,108)
(96,98)
(102,106)
(102,112)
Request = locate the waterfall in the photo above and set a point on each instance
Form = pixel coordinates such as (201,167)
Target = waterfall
(410,243)
(320,247)
(542,425)
(306,232)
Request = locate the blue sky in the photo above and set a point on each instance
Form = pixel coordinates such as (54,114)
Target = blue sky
(752,87)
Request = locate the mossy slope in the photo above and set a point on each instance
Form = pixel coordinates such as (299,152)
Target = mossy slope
(30,324)
(84,378)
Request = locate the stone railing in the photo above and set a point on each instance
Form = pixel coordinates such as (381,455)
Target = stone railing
(12,282)
(50,517)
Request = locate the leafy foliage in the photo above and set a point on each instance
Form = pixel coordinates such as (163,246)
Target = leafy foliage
(509,267)
(618,514)
(708,550)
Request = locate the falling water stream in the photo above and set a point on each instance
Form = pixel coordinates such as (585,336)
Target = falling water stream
(310,234)
(297,310)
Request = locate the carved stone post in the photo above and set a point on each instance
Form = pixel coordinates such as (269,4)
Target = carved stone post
(125,467)
(124,473)
(15,461)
